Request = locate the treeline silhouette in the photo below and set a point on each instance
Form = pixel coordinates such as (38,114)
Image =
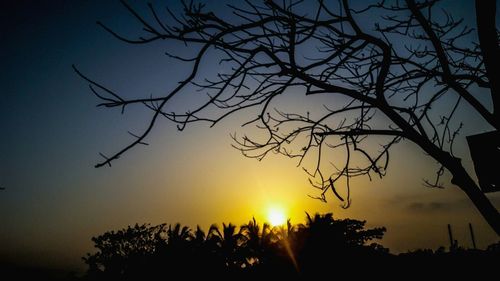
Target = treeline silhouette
(322,246)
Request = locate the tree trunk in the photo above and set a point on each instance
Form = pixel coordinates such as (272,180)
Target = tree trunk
(462,179)
(490,50)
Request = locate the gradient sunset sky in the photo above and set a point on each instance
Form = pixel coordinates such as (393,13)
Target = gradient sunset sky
(55,200)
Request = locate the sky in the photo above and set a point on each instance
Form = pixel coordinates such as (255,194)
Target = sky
(52,132)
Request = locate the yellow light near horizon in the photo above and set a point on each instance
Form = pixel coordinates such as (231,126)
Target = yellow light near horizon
(276,216)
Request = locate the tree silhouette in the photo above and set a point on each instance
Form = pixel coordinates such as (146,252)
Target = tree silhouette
(145,251)
(385,72)
(323,246)
(258,242)
(228,245)
(124,253)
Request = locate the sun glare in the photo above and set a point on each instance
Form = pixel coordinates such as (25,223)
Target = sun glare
(276,216)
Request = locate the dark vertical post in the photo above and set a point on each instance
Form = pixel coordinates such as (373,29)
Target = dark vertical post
(472,236)
(450,235)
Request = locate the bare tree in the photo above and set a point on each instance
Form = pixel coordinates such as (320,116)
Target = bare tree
(385,72)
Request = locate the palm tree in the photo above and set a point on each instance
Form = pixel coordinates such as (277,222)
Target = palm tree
(258,244)
(199,237)
(175,254)
(288,245)
(227,244)
(178,235)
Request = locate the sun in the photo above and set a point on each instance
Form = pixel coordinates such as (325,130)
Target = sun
(276,216)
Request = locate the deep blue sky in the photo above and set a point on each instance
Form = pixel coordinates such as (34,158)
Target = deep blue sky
(52,132)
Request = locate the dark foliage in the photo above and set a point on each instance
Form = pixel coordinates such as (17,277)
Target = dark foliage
(323,246)
(457,262)
(145,251)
